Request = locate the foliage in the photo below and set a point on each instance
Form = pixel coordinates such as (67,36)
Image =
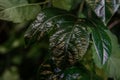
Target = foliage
(17,11)
(78,35)
(113,63)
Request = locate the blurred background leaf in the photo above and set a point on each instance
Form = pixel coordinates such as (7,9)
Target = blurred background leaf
(63,4)
(113,65)
(18,10)
(18,62)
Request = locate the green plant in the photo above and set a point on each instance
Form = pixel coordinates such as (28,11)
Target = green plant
(80,43)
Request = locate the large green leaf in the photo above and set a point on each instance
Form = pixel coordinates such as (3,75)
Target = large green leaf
(69,43)
(66,37)
(18,10)
(113,64)
(70,40)
(102,44)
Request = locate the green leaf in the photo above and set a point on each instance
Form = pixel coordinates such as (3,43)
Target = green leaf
(113,67)
(113,64)
(70,39)
(63,4)
(96,57)
(64,33)
(68,43)
(102,44)
(18,10)
(43,23)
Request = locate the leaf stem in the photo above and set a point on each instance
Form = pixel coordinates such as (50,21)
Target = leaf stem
(113,24)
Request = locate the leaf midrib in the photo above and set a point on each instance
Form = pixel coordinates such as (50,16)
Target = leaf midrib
(24,5)
(101,41)
(68,40)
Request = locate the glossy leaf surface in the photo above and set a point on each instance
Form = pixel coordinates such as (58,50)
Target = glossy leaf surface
(70,39)
(102,44)
(68,44)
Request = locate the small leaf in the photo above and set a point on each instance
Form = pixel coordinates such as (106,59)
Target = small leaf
(102,44)
(63,4)
(66,4)
(79,73)
(75,73)
(18,10)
